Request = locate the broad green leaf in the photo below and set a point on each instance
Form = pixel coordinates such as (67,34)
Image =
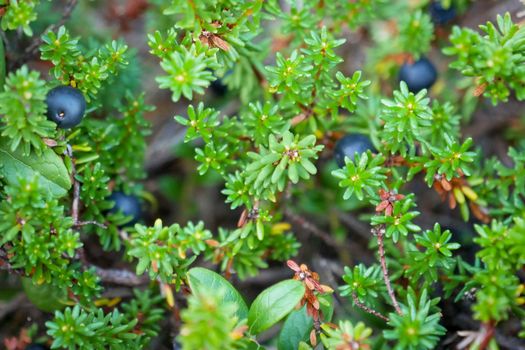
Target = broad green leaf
(48,167)
(45,297)
(207,280)
(295,329)
(298,324)
(273,304)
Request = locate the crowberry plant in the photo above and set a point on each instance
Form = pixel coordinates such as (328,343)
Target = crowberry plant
(262,174)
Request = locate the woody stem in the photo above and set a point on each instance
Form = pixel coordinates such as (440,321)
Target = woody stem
(367,309)
(386,277)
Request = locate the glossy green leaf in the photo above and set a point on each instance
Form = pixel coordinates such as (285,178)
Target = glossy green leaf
(48,167)
(45,297)
(295,329)
(204,279)
(273,304)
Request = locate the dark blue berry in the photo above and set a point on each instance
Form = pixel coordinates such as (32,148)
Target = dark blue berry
(36,346)
(349,145)
(65,106)
(128,205)
(418,75)
(218,87)
(441,15)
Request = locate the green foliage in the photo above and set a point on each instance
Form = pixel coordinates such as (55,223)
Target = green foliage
(273,304)
(19,14)
(85,70)
(494,59)
(405,119)
(294,89)
(47,168)
(188,72)
(418,327)
(41,238)
(210,323)
(287,159)
(502,253)
(154,248)
(362,175)
(22,108)
(365,282)
(202,280)
(416,32)
(433,252)
(346,334)
(76,328)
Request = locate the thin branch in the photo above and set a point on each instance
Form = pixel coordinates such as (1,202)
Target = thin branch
(488,330)
(380,232)
(367,309)
(76,196)
(90,222)
(6,266)
(342,247)
(121,277)
(355,225)
(308,226)
(12,305)
(32,49)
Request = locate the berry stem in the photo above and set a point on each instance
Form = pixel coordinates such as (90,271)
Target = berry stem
(367,309)
(380,235)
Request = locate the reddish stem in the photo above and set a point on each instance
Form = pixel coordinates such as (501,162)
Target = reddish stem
(386,277)
(488,330)
(367,309)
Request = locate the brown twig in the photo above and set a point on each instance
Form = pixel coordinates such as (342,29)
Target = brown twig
(32,49)
(308,226)
(12,305)
(367,309)
(89,222)
(121,277)
(76,197)
(488,330)
(380,232)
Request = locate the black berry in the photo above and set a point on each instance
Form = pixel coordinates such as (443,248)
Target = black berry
(36,346)
(418,75)
(218,87)
(441,15)
(349,145)
(65,106)
(128,205)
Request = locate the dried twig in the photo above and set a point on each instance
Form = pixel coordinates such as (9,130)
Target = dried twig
(308,226)
(367,309)
(6,265)
(121,277)
(89,222)
(12,305)
(379,232)
(32,49)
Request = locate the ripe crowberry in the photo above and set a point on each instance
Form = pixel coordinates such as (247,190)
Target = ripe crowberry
(441,15)
(418,75)
(218,87)
(128,205)
(65,106)
(36,346)
(349,145)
